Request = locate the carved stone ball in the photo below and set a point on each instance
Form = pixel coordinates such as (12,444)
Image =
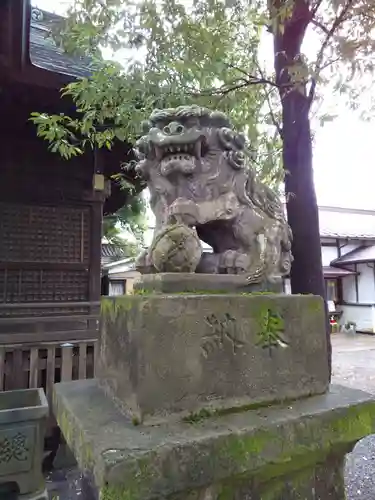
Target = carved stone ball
(177,249)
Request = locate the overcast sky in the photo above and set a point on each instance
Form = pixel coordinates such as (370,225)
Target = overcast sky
(344,151)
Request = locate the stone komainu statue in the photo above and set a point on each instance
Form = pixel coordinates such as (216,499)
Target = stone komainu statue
(202,189)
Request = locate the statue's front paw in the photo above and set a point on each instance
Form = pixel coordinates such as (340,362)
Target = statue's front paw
(234,262)
(209,263)
(143,263)
(183,211)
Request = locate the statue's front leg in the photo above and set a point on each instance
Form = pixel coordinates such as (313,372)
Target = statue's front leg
(191,213)
(143,263)
(228,262)
(183,211)
(234,262)
(209,264)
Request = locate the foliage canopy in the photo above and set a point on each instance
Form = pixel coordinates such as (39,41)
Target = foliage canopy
(210,53)
(169,54)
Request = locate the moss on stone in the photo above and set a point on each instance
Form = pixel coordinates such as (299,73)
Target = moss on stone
(112,308)
(145,291)
(200,415)
(192,292)
(115,493)
(207,413)
(271,326)
(265,452)
(76,439)
(308,447)
(143,474)
(135,421)
(240,449)
(315,304)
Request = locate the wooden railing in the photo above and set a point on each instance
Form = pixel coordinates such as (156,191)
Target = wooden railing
(42,365)
(48,322)
(45,343)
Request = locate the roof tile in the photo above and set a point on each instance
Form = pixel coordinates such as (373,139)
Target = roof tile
(45,54)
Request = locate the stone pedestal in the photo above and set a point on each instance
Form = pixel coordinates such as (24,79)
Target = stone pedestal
(213,397)
(202,283)
(282,452)
(163,355)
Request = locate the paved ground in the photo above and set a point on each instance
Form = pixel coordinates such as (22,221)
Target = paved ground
(353,365)
(68,485)
(353,362)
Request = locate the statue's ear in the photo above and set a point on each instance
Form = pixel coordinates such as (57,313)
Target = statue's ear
(240,141)
(145,127)
(236,159)
(231,140)
(142,171)
(226,137)
(142,147)
(219,119)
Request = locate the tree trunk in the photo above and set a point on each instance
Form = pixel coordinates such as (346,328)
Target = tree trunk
(306,274)
(302,209)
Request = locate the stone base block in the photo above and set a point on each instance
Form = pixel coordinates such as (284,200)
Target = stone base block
(43,495)
(161,355)
(202,283)
(286,452)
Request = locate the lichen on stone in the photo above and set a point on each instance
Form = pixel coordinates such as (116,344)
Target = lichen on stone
(271,328)
(113,307)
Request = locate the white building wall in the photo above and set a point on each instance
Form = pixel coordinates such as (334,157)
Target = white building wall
(366,284)
(349,247)
(363,316)
(349,289)
(328,255)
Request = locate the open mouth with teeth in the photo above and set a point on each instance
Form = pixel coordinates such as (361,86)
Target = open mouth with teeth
(178,157)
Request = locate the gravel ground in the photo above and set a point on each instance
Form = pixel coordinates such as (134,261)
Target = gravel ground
(353,365)
(68,485)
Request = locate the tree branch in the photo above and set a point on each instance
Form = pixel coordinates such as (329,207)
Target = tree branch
(248,80)
(318,66)
(225,90)
(320,26)
(316,8)
(272,115)
(262,78)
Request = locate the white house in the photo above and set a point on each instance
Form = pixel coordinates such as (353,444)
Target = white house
(348,255)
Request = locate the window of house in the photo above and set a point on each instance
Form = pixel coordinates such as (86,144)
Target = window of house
(331,290)
(116,288)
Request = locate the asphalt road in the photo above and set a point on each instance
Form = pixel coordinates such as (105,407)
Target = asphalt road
(353,365)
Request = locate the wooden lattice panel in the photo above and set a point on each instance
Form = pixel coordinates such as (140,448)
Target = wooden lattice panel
(19,285)
(45,364)
(26,310)
(44,234)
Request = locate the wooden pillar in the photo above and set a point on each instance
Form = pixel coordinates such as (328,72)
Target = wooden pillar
(15,32)
(96,235)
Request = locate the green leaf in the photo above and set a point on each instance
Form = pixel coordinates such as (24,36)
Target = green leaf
(207,55)
(326,119)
